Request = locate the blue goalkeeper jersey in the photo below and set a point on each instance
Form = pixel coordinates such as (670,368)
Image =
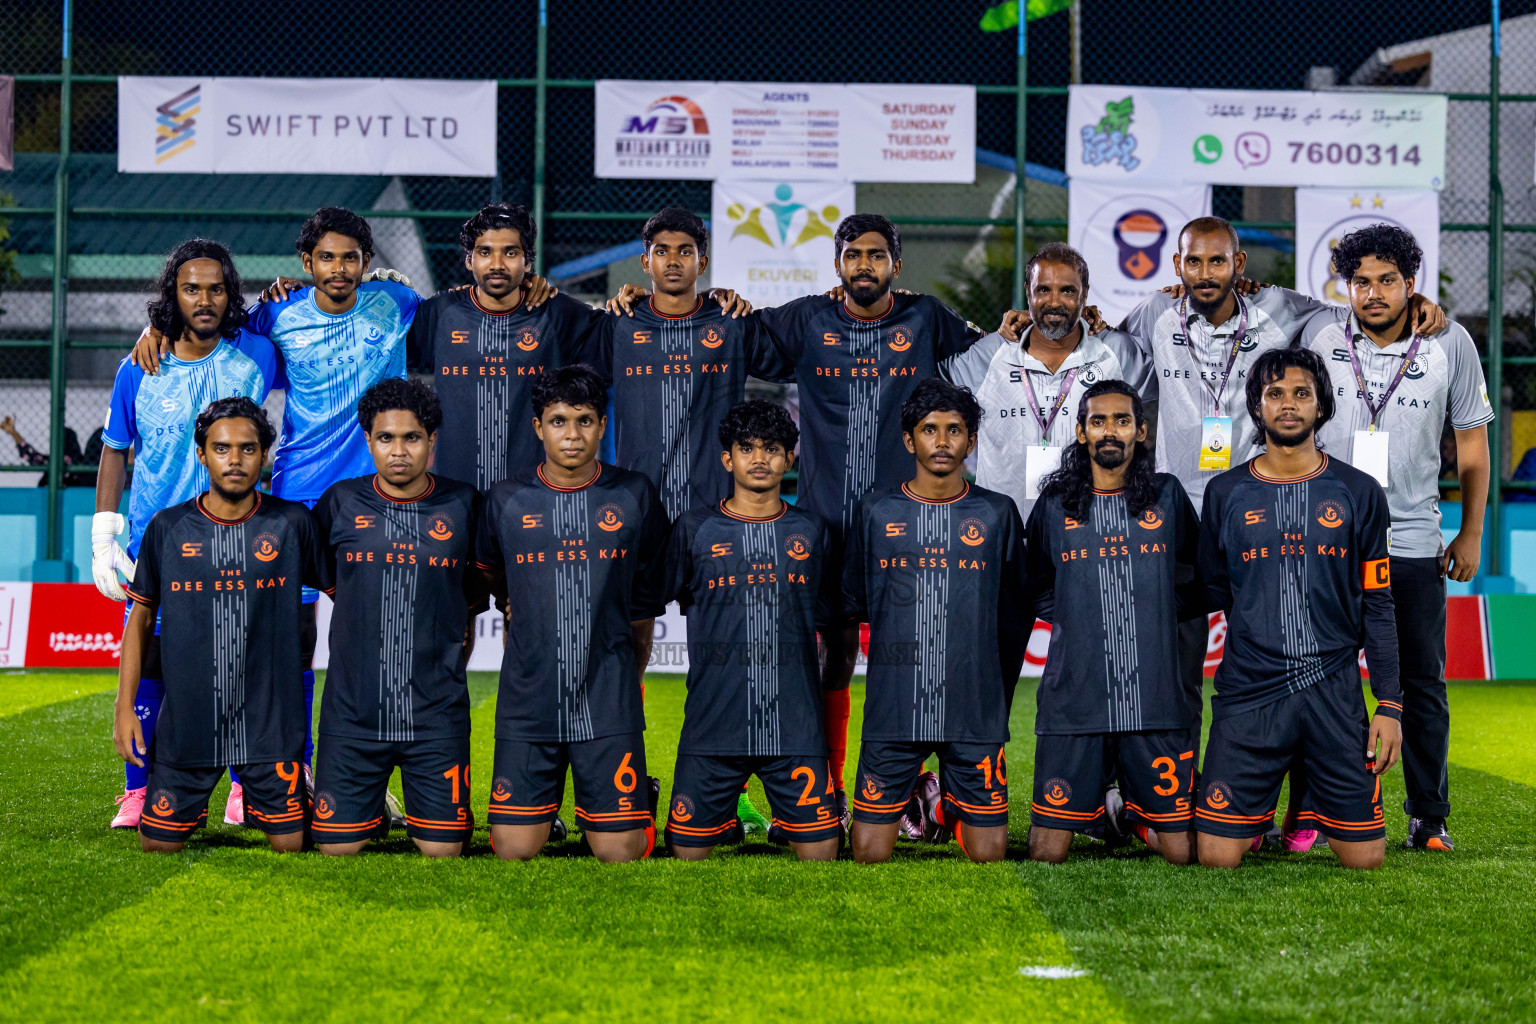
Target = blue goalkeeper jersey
(155,415)
(328,362)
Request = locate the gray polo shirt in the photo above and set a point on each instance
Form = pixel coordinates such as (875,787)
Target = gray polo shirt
(1445,379)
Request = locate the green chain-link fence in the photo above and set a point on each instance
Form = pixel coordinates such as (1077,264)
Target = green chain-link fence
(63,328)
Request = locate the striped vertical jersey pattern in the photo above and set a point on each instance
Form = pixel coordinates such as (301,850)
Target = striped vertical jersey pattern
(328,362)
(755,592)
(937,582)
(674,379)
(484,366)
(579,564)
(1300,567)
(853,375)
(228,594)
(400,574)
(1122,582)
(154,415)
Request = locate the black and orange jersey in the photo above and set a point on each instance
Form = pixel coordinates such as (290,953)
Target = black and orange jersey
(400,574)
(755,592)
(1122,583)
(228,594)
(579,564)
(938,583)
(1300,567)
(854,374)
(483,366)
(674,379)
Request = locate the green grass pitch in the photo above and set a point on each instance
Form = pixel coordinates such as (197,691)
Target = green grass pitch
(93,930)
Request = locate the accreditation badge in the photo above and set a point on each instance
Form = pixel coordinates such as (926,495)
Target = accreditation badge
(1216,443)
(1039,460)
(1370,453)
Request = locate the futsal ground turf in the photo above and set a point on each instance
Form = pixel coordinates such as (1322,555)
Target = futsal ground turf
(92,929)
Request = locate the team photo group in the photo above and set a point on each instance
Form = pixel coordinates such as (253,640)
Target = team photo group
(1229,448)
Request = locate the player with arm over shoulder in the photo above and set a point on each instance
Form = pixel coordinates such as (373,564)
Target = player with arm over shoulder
(757,578)
(1108,545)
(224,570)
(1293,547)
(578,544)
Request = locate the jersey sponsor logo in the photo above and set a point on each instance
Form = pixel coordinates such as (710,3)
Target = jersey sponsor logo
(458,337)
(641,337)
(192,549)
(895,529)
(831,338)
(1218,796)
(501,790)
(1254,517)
(972,532)
(682,808)
(1151,519)
(529,341)
(265,547)
(797,547)
(901,339)
(1330,514)
(325,807)
(163,804)
(874,789)
(1068,523)
(1057,792)
(721,550)
(362,522)
(533,520)
(1378,574)
(711,338)
(610,518)
(442,527)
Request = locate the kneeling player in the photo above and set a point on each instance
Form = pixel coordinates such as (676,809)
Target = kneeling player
(394,551)
(1105,544)
(225,570)
(577,545)
(935,568)
(755,577)
(1294,549)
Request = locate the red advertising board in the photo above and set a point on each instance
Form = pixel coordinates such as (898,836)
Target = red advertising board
(73,626)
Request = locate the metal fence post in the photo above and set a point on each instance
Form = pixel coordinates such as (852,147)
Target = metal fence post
(56,357)
(1020,122)
(1495,306)
(539,115)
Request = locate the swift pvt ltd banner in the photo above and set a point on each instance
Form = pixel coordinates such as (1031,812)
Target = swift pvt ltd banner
(306,126)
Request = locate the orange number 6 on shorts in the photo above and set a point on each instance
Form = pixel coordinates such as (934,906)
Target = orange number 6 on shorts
(625,779)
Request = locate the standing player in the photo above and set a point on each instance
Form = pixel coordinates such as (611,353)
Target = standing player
(1294,549)
(757,579)
(579,545)
(936,565)
(1394,390)
(225,567)
(212,356)
(1111,540)
(395,553)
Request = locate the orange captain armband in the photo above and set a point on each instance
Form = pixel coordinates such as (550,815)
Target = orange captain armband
(1377,574)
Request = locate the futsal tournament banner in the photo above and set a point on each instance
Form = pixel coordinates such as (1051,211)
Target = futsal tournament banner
(1128,235)
(772,241)
(769,131)
(1240,137)
(1324,215)
(306,126)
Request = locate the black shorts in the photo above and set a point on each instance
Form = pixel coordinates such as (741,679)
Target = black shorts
(973,777)
(705,789)
(1319,734)
(352,777)
(1156,771)
(608,775)
(176,799)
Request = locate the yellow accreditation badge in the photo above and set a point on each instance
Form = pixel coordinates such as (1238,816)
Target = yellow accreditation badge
(1216,443)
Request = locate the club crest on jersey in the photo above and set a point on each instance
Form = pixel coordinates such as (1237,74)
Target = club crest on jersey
(1151,519)
(900,339)
(972,532)
(873,788)
(1057,792)
(163,804)
(797,547)
(265,547)
(711,338)
(530,339)
(682,808)
(1330,514)
(1416,369)
(610,518)
(325,807)
(442,527)
(1218,796)
(373,336)
(501,790)
(1090,374)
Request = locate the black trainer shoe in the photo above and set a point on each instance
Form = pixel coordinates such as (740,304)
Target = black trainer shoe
(1427,834)
(558,831)
(653,791)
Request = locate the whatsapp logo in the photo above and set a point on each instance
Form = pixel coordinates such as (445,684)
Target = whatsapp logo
(1207,149)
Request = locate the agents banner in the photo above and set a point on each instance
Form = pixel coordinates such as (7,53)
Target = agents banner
(1128,234)
(1238,137)
(1324,215)
(760,131)
(306,126)
(773,241)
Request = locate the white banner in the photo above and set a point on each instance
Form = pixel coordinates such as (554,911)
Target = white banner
(773,132)
(1237,137)
(1325,215)
(1128,234)
(773,241)
(306,126)
(15,616)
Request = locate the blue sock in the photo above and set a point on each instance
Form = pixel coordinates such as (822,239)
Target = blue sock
(233,777)
(309,717)
(146,704)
